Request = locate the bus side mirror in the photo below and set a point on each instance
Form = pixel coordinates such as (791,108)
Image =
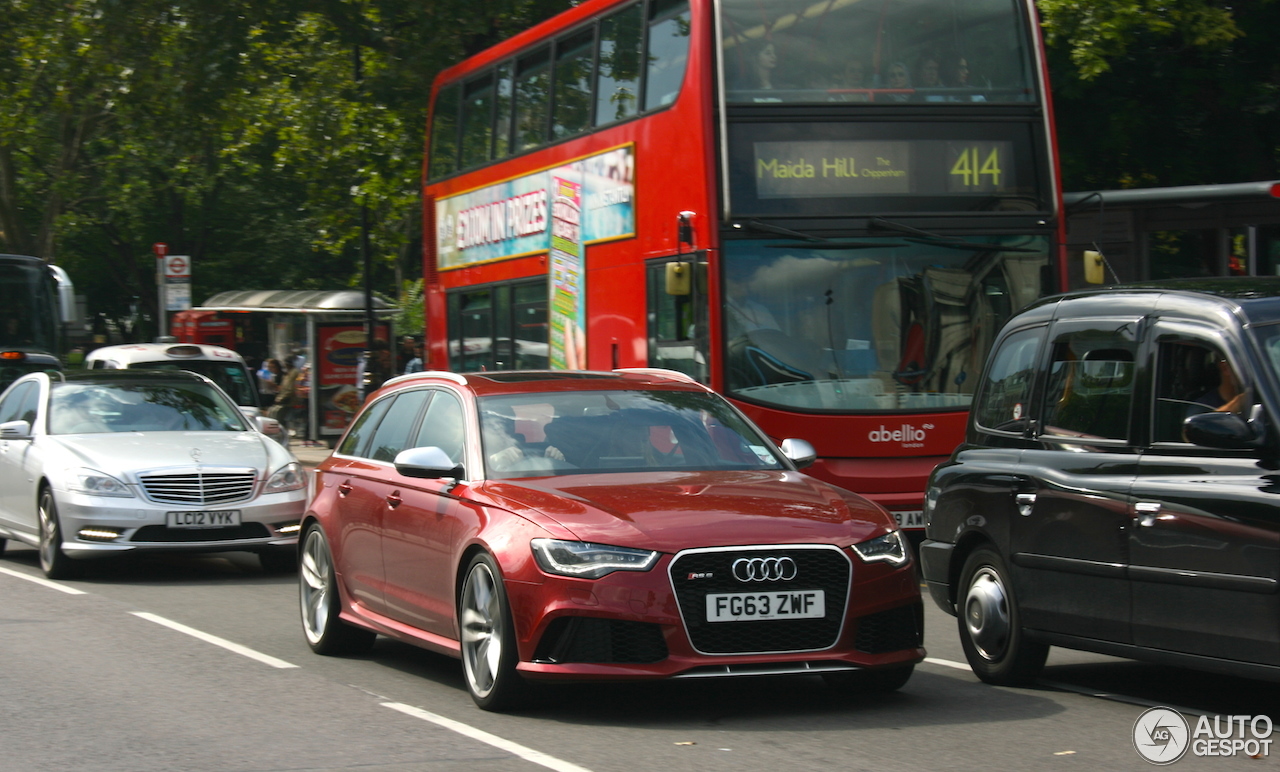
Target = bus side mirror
(679,278)
(1093,273)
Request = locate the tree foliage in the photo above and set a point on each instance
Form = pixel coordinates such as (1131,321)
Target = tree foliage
(248,134)
(1173,92)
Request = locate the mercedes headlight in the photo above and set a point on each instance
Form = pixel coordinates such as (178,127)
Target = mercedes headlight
(290,477)
(890,548)
(589,561)
(95,483)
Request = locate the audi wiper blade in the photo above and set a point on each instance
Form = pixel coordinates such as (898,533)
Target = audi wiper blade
(920,236)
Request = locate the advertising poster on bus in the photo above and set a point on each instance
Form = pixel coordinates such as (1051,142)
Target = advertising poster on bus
(568,343)
(513,218)
(339,346)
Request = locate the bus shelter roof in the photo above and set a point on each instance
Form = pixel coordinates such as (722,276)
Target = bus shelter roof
(1186,195)
(295,302)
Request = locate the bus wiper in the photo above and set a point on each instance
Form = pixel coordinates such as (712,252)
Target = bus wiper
(811,241)
(756,225)
(919,236)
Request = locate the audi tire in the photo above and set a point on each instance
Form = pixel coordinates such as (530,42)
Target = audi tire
(488,639)
(319,598)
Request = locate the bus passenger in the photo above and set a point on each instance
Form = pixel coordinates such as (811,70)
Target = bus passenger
(898,81)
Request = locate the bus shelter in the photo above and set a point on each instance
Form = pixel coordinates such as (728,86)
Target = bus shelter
(323,327)
(1167,233)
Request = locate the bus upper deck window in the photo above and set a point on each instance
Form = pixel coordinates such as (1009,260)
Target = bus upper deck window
(444,132)
(618,76)
(477,117)
(502,111)
(572,113)
(668,51)
(533,92)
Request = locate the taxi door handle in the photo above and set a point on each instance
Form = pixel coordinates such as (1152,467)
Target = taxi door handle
(394,500)
(1025,502)
(1147,511)
(344,489)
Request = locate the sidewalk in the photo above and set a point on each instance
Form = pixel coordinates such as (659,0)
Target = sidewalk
(309,457)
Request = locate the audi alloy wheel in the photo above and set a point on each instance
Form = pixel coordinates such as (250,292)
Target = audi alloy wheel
(488,638)
(318,595)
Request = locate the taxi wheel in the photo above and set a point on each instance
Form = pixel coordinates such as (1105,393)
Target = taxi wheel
(870,681)
(318,594)
(488,639)
(991,625)
(53,561)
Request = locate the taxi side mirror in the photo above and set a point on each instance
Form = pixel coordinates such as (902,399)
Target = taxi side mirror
(1226,431)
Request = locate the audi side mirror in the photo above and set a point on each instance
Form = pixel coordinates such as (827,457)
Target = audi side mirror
(430,463)
(800,452)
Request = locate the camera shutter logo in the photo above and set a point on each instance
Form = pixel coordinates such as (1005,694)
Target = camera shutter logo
(1161,736)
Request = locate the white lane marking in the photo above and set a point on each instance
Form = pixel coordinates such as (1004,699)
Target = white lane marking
(43,582)
(244,651)
(947,663)
(528,754)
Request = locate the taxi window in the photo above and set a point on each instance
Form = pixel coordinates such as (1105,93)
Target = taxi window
(1006,394)
(1090,386)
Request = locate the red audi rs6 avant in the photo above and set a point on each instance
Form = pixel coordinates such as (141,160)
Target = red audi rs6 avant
(598,526)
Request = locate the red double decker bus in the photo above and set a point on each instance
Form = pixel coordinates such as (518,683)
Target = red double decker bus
(824,209)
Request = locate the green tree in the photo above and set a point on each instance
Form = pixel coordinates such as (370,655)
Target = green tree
(245,134)
(1178,92)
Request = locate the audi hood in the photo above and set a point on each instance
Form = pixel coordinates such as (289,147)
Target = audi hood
(671,511)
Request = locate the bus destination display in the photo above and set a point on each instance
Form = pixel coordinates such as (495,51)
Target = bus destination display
(838,169)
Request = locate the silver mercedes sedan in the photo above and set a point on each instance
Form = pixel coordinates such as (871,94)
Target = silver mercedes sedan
(93,464)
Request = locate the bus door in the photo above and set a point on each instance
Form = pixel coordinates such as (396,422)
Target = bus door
(677,310)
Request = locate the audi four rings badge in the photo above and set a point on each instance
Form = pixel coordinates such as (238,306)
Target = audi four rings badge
(764,569)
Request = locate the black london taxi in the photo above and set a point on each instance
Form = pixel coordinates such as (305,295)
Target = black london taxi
(1118,490)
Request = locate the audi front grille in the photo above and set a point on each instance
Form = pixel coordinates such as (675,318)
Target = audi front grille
(772,570)
(202,487)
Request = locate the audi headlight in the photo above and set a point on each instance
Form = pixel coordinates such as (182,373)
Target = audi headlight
(289,478)
(95,483)
(588,561)
(890,548)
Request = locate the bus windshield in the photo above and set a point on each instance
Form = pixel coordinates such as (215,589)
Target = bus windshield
(881,51)
(830,327)
(28,305)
